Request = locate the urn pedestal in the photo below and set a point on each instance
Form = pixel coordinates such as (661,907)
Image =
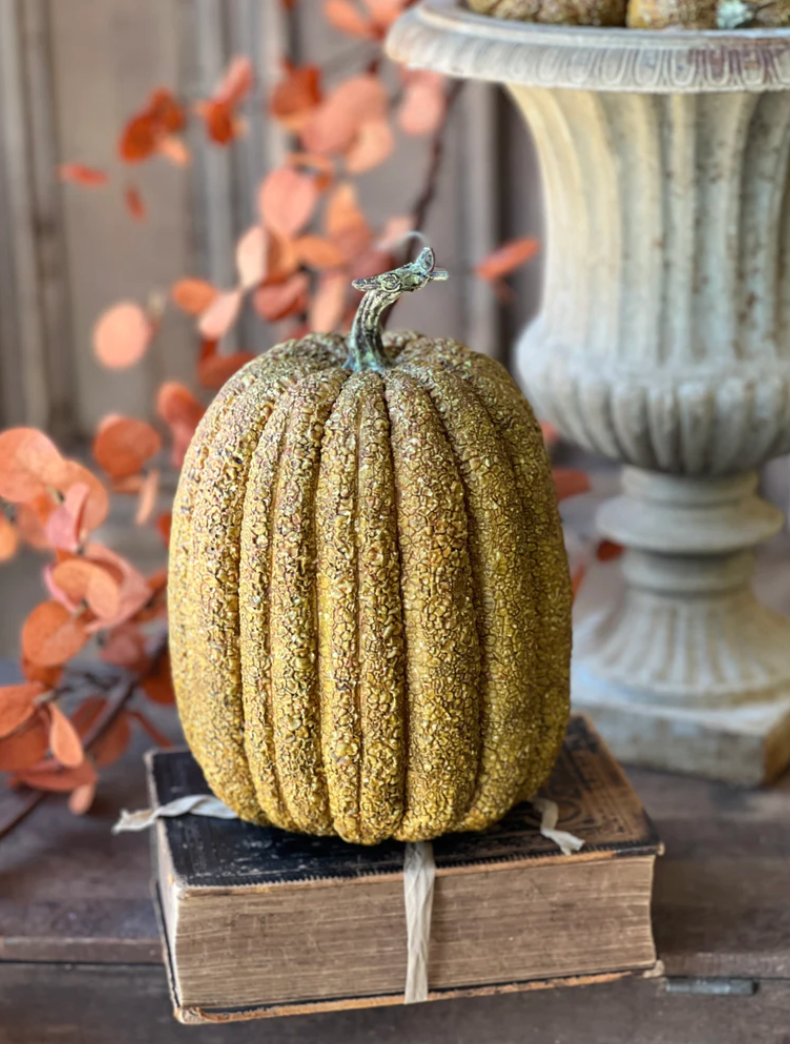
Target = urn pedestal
(663,342)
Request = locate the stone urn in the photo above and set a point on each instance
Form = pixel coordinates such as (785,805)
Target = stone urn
(663,342)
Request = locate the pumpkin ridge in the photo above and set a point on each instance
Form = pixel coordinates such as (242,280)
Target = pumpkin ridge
(510,411)
(337,603)
(259,711)
(180,559)
(293,594)
(404,707)
(381,659)
(415,371)
(216,530)
(504,598)
(443,658)
(357,516)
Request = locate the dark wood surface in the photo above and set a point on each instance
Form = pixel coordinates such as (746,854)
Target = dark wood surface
(80,956)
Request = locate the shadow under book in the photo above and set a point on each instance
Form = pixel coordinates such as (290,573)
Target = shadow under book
(261,922)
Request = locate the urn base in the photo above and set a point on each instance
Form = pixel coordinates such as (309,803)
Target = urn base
(687,670)
(748,744)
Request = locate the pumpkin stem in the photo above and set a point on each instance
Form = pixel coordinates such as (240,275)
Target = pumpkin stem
(365,347)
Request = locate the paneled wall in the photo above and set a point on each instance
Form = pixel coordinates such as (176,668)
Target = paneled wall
(71,71)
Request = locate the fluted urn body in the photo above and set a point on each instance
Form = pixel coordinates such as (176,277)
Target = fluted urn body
(663,341)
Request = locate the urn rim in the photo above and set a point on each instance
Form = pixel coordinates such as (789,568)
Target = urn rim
(446,36)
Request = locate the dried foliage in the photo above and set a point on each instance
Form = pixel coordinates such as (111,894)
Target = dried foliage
(295,266)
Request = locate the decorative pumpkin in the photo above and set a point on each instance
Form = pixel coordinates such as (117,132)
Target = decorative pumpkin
(369,593)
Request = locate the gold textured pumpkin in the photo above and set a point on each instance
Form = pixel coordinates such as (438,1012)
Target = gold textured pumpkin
(369,593)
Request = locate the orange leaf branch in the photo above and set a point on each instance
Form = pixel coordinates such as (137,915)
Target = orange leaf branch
(24,800)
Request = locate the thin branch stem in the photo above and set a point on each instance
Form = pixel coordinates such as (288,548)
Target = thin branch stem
(423,204)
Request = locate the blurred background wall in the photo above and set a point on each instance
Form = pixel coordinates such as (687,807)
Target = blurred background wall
(71,73)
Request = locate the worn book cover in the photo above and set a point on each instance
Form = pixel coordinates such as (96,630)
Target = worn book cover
(260,922)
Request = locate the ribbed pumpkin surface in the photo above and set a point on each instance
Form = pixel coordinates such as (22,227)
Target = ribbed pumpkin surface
(369,595)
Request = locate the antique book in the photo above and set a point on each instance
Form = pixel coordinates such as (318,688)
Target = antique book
(257,921)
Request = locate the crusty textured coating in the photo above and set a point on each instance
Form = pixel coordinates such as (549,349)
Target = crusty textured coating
(547,562)
(442,644)
(361,649)
(509,707)
(370,599)
(293,607)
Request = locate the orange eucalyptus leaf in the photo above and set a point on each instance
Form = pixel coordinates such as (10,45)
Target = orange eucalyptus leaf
(134,202)
(371,147)
(296,95)
(384,12)
(281,259)
(31,520)
(81,798)
(89,582)
(175,150)
(287,200)
(221,314)
(280,300)
(70,604)
(122,335)
(577,579)
(395,232)
(343,15)
(158,686)
(164,524)
(82,175)
(9,539)
(138,139)
(214,370)
(550,434)
(29,463)
(130,485)
(328,304)
(148,495)
(50,776)
(507,259)
(51,635)
(332,126)
(64,740)
(124,444)
(607,551)
(47,676)
(251,257)
(17,705)
(27,745)
(64,526)
(317,252)
(424,103)
(346,225)
(165,111)
(97,505)
(568,482)
(125,646)
(237,82)
(369,263)
(220,121)
(193,296)
(135,591)
(176,404)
